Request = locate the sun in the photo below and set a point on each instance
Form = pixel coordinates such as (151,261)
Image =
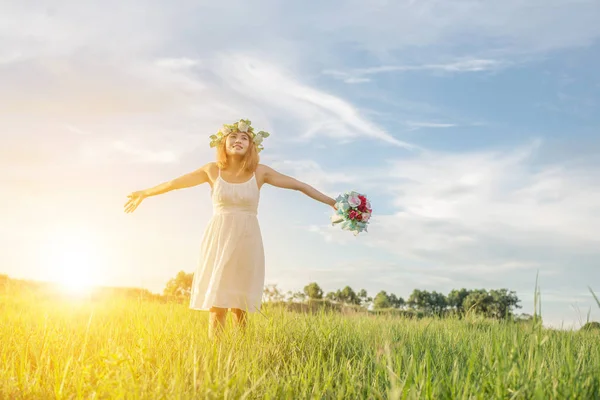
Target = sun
(72,260)
(74,269)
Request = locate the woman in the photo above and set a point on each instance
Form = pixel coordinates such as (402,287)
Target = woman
(231,271)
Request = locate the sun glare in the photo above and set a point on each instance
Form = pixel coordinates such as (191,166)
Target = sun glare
(74,270)
(73,262)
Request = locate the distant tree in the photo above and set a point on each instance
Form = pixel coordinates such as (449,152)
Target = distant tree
(333,296)
(300,296)
(503,303)
(313,291)
(420,300)
(271,293)
(456,299)
(478,301)
(381,300)
(496,303)
(437,303)
(364,298)
(396,302)
(348,296)
(180,285)
(428,302)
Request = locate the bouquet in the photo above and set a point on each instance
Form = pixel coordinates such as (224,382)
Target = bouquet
(353,211)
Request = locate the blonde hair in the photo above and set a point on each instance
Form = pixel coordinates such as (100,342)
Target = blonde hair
(249,163)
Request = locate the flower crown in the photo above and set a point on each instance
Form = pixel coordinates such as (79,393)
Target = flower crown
(244,126)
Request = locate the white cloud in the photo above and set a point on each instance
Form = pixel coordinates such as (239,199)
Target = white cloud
(112,64)
(356,80)
(360,75)
(488,218)
(480,189)
(437,28)
(177,63)
(414,124)
(313,111)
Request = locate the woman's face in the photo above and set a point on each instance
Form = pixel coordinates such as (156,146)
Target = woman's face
(237,143)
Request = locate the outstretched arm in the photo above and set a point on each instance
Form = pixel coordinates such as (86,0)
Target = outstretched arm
(193,178)
(280,180)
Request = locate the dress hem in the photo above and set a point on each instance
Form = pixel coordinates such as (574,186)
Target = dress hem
(201,308)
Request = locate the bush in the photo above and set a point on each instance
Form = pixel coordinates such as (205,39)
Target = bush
(593,326)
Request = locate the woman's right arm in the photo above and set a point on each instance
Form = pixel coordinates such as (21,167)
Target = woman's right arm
(193,178)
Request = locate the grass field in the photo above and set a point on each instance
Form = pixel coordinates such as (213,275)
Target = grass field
(129,349)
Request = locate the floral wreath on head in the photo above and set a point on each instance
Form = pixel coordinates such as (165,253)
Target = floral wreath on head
(243,126)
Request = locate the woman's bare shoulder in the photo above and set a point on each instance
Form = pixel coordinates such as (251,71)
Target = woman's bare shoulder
(210,166)
(211,169)
(262,168)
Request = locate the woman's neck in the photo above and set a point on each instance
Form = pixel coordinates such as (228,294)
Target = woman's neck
(234,164)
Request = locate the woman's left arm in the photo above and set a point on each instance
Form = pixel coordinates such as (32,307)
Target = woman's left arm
(280,180)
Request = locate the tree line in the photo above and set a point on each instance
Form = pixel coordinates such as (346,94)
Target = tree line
(494,303)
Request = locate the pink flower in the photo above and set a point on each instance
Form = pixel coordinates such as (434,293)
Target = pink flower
(366,216)
(354,201)
(352,214)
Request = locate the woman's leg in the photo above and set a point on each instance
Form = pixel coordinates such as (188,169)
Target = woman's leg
(240,317)
(216,322)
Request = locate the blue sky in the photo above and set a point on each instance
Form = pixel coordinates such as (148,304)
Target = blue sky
(473,128)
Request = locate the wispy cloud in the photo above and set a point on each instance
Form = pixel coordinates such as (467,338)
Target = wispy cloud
(177,63)
(314,111)
(424,124)
(175,100)
(361,75)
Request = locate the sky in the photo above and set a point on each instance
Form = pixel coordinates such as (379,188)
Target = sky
(471,126)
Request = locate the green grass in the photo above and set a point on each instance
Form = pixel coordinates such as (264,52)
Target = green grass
(129,349)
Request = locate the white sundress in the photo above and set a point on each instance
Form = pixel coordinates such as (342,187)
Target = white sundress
(231,271)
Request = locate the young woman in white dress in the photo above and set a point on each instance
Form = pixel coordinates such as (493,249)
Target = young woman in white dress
(231,271)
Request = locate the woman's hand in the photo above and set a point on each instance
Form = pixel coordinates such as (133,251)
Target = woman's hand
(193,178)
(134,201)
